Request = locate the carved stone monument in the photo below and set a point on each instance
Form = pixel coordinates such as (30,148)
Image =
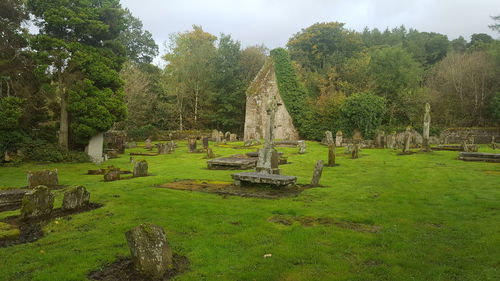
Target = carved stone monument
(328,137)
(265,164)
(338,139)
(427,124)
(406,148)
(95,148)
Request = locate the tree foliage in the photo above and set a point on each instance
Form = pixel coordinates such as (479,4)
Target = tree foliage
(363,111)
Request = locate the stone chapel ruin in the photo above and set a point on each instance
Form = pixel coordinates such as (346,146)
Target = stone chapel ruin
(262,90)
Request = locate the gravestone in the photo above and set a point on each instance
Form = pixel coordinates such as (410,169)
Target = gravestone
(192,145)
(427,124)
(205,142)
(302,146)
(148,145)
(331,155)
(357,139)
(233,137)
(141,169)
(150,251)
(380,139)
(112,174)
(221,136)
(37,203)
(210,153)
(328,137)
(131,144)
(338,138)
(215,135)
(391,140)
(227,136)
(406,148)
(94,148)
(318,170)
(164,148)
(76,198)
(44,177)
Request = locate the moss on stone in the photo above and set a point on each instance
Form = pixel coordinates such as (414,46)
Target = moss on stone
(8,232)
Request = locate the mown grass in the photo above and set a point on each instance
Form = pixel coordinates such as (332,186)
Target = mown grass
(439,220)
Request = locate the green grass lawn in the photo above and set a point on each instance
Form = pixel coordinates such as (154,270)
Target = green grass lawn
(439,219)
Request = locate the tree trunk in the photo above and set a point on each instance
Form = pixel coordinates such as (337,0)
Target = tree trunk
(64,122)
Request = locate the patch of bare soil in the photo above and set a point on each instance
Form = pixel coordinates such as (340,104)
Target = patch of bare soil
(313,221)
(123,270)
(31,230)
(227,188)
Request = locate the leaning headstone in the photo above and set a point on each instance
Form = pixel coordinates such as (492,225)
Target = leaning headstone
(331,155)
(318,170)
(141,168)
(406,148)
(233,137)
(427,124)
(45,177)
(205,142)
(302,146)
(112,174)
(328,137)
(150,251)
(338,138)
(37,203)
(192,145)
(76,198)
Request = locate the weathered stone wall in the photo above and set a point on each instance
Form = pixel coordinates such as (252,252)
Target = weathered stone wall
(263,88)
(481,135)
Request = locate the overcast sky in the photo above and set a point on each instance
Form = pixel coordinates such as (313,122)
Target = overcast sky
(273,22)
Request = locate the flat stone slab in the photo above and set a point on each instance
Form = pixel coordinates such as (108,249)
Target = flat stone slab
(232,163)
(11,199)
(264,179)
(479,156)
(448,147)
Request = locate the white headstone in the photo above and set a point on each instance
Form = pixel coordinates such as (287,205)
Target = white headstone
(94,148)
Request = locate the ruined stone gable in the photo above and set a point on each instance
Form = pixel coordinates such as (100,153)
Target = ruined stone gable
(263,88)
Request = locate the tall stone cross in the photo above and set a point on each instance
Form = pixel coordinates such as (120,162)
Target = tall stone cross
(271,109)
(268,156)
(427,125)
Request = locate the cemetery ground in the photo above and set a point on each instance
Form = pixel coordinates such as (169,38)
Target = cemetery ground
(424,216)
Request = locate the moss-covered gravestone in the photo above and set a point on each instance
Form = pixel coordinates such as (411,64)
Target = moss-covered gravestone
(112,174)
(45,177)
(76,198)
(302,146)
(318,170)
(37,203)
(141,168)
(150,251)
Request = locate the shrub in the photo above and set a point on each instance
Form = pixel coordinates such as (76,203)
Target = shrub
(363,111)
